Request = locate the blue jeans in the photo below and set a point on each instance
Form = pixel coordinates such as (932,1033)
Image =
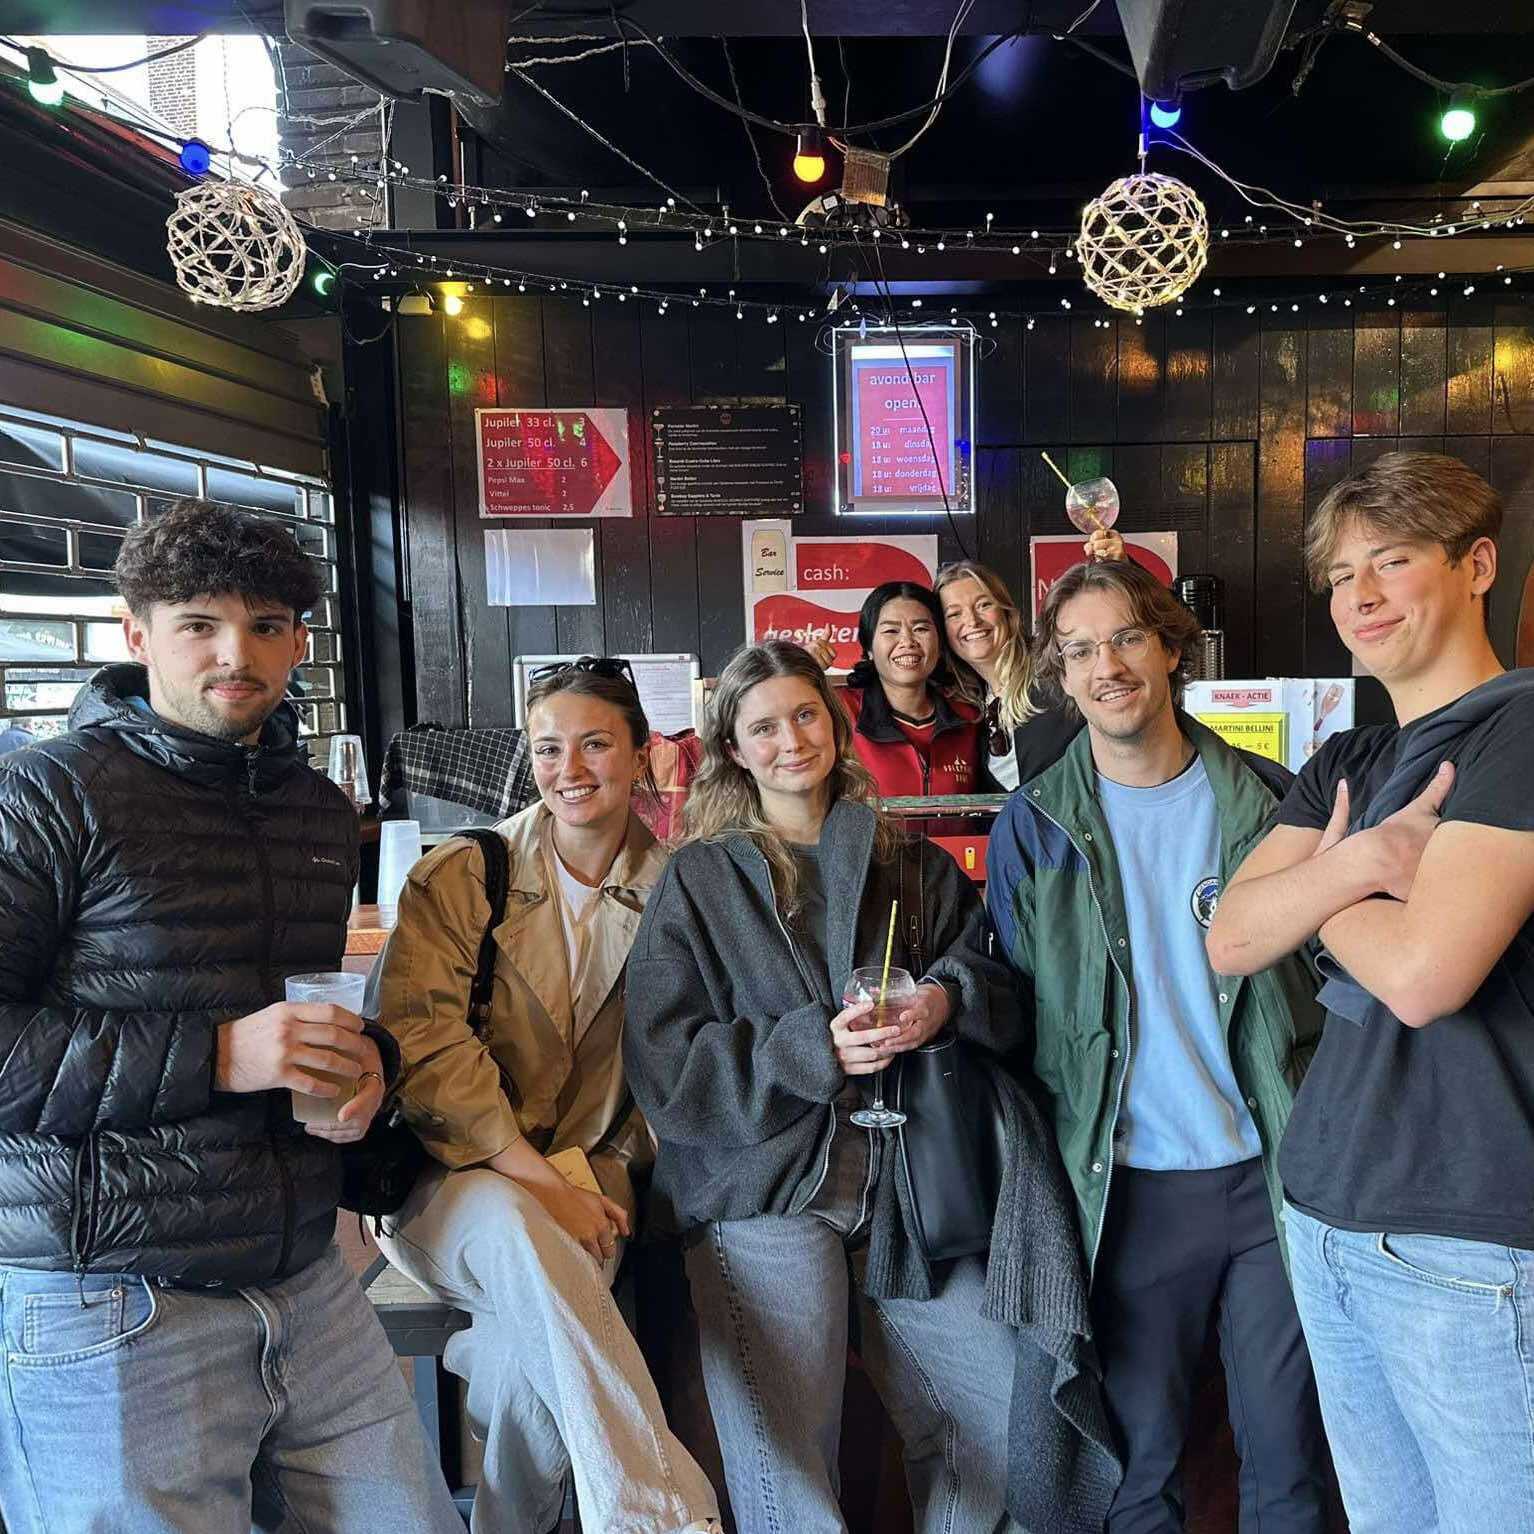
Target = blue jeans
(771,1295)
(134,1409)
(1423,1348)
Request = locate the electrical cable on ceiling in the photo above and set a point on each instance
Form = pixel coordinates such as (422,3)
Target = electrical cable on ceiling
(1261,197)
(882,281)
(793,129)
(111,69)
(1085,15)
(1451,86)
(963,10)
(1102,56)
(756,153)
(817,92)
(604,141)
(575,58)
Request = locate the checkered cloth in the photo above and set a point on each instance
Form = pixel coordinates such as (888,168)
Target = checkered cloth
(492,771)
(486,770)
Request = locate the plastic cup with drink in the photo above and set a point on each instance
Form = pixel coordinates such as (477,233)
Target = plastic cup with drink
(340,990)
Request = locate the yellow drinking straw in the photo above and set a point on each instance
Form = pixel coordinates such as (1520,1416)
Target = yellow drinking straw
(1096,521)
(889,943)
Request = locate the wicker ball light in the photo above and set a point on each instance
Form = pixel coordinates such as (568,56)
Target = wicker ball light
(1143,242)
(235,246)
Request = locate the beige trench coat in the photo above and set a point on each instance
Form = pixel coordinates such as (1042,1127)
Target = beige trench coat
(549,1070)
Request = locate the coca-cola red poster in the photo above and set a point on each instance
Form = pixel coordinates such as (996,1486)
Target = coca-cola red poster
(1051,556)
(829,615)
(813,587)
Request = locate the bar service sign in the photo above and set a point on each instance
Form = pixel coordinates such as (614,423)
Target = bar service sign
(553,463)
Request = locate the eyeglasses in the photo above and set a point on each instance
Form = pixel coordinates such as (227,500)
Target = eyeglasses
(597,665)
(1128,644)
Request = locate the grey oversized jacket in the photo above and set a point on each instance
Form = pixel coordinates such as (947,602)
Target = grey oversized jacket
(728,1050)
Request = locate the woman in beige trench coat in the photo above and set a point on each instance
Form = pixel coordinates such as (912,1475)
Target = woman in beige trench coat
(502,1226)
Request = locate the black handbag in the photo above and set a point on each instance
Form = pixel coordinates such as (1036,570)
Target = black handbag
(952,1144)
(379,1171)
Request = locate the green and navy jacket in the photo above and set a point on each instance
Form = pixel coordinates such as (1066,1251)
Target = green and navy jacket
(1056,904)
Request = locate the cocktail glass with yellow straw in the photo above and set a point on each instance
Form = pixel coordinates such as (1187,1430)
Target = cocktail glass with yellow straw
(892,990)
(1092,504)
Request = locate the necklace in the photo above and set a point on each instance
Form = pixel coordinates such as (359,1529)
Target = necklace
(918,724)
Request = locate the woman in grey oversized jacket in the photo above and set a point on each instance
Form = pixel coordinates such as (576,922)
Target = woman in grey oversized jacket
(747,1067)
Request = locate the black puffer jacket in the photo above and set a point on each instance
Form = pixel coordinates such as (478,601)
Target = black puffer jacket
(154,883)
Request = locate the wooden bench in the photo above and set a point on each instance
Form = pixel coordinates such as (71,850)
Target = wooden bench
(418,1327)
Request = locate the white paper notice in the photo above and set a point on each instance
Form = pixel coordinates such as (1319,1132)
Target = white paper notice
(547,567)
(665,689)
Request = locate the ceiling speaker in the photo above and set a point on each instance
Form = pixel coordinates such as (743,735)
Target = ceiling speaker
(406,47)
(1180,45)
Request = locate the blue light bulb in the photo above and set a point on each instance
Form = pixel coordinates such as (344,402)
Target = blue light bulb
(196,157)
(1166,114)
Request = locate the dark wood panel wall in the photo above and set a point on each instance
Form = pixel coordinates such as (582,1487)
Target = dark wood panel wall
(1223,426)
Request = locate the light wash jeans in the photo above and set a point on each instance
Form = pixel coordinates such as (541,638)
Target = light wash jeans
(1423,1349)
(555,1378)
(146,1410)
(771,1295)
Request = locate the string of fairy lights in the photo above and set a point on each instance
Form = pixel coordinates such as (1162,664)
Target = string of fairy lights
(1047,247)
(446,284)
(1039,250)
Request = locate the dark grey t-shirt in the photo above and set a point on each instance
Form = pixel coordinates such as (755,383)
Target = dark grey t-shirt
(1425,1131)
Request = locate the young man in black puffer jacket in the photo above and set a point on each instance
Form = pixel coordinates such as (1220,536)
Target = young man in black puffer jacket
(181,1347)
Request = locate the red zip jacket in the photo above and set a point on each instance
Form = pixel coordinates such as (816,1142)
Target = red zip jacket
(949,766)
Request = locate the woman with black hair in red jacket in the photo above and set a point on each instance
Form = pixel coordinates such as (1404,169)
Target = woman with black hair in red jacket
(910,730)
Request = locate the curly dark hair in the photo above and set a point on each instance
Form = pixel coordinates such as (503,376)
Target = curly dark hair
(199,548)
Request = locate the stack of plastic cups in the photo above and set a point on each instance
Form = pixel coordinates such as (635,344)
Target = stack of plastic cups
(399,849)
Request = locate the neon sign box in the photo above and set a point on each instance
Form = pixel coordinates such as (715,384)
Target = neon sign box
(904,404)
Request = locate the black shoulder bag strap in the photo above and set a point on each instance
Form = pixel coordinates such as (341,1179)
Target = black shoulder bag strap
(912,905)
(497,880)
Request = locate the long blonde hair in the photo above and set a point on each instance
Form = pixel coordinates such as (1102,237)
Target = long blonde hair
(724,799)
(1014,660)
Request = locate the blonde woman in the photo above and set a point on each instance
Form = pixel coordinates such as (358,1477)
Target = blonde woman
(504,1228)
(748,1066)
(1022,731)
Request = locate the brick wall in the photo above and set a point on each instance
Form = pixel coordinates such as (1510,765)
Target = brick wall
(310,88)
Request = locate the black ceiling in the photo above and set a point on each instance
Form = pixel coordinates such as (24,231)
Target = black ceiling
(736,18)
(1042,125)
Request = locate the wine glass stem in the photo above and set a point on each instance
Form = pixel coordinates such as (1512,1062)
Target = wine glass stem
(879,1092)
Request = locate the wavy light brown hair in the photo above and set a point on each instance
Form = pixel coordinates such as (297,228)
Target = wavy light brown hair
(1415,497)
(1014,662)
(724,799)
(1151,605)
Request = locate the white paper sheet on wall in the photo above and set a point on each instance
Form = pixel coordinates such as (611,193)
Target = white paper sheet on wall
(544,567)
(664,683)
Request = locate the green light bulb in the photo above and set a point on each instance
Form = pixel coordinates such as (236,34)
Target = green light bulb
(1458,121)
(42,79)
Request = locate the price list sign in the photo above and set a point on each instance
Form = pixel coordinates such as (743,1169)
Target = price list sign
(893,453)
(553,463)
(728,460)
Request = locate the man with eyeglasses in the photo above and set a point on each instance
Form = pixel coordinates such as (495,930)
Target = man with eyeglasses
(1169,1085)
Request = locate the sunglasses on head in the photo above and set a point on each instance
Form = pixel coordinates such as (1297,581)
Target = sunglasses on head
(998,742)
(597,665)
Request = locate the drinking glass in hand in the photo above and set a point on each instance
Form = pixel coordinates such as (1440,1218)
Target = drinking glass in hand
(341,990)
(899,993)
